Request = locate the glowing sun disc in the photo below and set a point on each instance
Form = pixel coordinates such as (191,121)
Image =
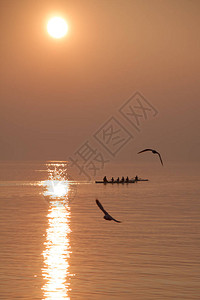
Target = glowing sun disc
(57,27)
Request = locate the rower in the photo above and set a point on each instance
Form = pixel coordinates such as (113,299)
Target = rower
(127,179)
(136,178)
(122,180)
(112,179)
(105,179)
(117,179)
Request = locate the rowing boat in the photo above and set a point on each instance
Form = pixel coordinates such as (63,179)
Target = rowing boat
(130,181)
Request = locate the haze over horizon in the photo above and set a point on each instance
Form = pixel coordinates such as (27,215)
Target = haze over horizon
(55,94)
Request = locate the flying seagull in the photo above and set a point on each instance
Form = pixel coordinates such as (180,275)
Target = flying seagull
(154,152)
(107,216)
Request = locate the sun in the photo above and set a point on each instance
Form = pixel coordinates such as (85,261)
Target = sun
(57,27)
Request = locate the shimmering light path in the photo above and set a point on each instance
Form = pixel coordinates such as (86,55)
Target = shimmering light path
(57,244)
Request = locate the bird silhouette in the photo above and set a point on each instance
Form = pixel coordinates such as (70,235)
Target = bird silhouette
(154,152)
(107,216)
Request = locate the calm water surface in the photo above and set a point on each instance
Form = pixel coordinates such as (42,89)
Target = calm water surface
(56,245)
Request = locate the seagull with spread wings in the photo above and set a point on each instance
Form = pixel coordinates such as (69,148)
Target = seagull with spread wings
(107,216)
(154,152)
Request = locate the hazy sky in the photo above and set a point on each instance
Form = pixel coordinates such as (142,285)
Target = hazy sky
(55,94)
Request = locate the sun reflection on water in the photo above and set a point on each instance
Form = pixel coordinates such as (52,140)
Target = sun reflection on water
(55,188)
(57,243)
(57,184)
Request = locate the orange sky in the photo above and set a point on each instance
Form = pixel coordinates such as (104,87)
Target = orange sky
(55,94)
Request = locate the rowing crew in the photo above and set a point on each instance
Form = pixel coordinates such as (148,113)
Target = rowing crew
(119,180)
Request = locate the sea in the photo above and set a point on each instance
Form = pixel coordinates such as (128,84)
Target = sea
(56,245)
